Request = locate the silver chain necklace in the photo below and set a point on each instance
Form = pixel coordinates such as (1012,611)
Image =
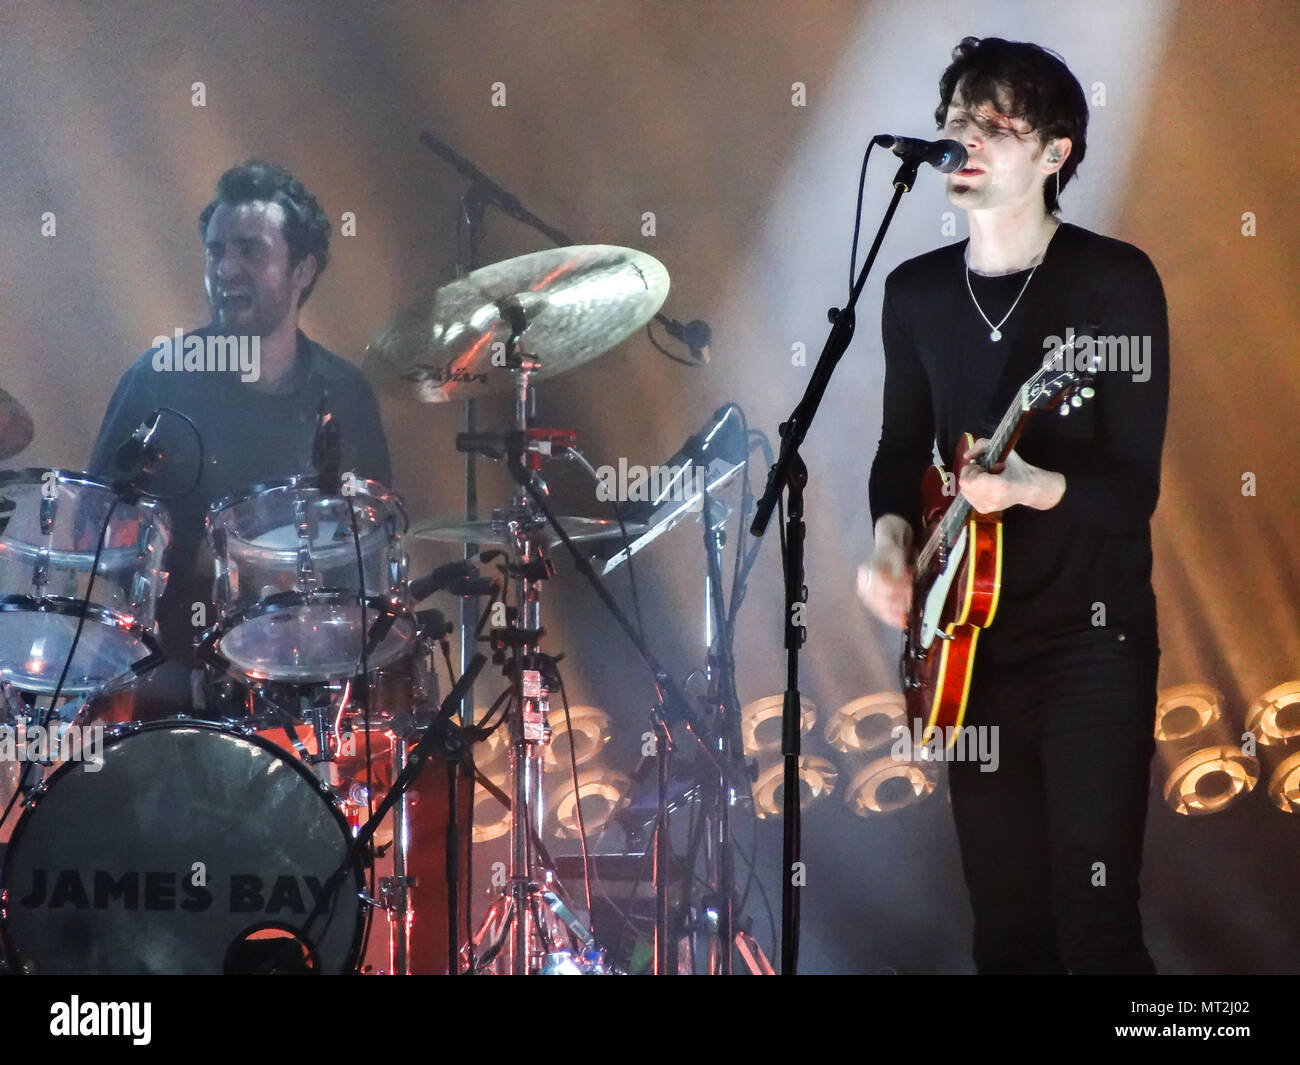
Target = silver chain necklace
(995,333)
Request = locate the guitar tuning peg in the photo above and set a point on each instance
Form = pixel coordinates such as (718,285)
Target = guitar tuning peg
(1076,402)
(1064,408)
(1087,391)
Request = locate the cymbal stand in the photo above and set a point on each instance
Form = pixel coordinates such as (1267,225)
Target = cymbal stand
(528,916)
(720,795)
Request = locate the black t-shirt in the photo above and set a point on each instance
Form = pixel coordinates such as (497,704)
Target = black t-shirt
(944,376)
(250,437)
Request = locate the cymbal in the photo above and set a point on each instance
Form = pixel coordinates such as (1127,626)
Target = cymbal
(459,531)
(572,303)
(16,426)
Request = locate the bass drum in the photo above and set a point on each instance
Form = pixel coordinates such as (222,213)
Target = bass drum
(188,848)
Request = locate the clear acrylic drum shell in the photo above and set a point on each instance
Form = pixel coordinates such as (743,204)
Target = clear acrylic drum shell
(274,624)
(51,533)
(167,795)
(255,538)
(304,638)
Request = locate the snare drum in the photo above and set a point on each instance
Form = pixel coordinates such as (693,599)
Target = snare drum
(189,849)
(287,581)
(50,524)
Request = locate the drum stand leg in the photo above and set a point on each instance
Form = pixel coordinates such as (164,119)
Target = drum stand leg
(396,889)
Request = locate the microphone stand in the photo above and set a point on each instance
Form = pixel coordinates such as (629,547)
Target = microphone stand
(789,474)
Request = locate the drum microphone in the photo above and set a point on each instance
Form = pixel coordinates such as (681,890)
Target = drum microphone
(459,577)
(138,444)
(138,455)
(945,155)
(327,451)
(696,335)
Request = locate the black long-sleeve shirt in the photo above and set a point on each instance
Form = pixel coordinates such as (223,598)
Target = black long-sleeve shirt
(944,376)
(250,437)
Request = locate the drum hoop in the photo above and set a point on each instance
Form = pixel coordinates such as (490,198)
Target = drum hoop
(73,607)
(209,642)
(68,607)
(370,488)
(282,601)
(80,478)
(118,735)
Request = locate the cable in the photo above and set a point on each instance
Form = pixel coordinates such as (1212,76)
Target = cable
(198,439)
(665,352)
(617,508)
(337,878)
(857,221)
(767,904)
(364,684)
(48,712)
(577,802)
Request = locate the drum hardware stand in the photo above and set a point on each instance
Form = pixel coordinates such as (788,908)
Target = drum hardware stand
(720,796)
(716,794)
(674,707)
(438,732)
(662,845)
(525,916)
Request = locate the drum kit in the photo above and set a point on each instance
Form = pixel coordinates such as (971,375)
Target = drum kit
(245,840)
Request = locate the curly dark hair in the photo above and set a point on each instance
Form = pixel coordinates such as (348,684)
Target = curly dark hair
(306,229)
(1038,87)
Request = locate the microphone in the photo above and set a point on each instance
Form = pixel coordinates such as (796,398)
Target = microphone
(491,444)
(460,578)
(137,457)
(696,335)
(139,444)
(327,452)
(945,156)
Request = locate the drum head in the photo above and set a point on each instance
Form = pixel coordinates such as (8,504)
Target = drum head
(189,845)
(300,639)
(36,636)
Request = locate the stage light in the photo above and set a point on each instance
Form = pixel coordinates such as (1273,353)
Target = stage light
(817,776)
(1284,784)
(602,792)
(591,729)
(1274,718)
(760,722)
(1184,710)
(1210,779)
(866,724)
(888,784)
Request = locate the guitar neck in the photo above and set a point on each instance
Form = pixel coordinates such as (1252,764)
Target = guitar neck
(1000,444)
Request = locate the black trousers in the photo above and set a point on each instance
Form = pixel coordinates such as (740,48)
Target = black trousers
(1051,841)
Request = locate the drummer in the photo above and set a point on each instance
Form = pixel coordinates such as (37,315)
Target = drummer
(266,243)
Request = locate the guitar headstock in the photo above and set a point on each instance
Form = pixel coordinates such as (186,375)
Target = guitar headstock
(1066,379)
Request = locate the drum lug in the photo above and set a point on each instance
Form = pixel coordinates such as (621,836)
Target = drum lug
(41,570)
(304,522)
(141,586)
(49,508)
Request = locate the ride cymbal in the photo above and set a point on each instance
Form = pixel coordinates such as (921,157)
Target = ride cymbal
(561,308)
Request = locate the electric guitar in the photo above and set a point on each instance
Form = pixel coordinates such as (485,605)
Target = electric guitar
(958,571)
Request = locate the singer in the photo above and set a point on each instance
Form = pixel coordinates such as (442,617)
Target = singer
(266,242)
(1051,843)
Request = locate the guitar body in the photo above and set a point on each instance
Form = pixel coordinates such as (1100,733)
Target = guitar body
(954,596)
